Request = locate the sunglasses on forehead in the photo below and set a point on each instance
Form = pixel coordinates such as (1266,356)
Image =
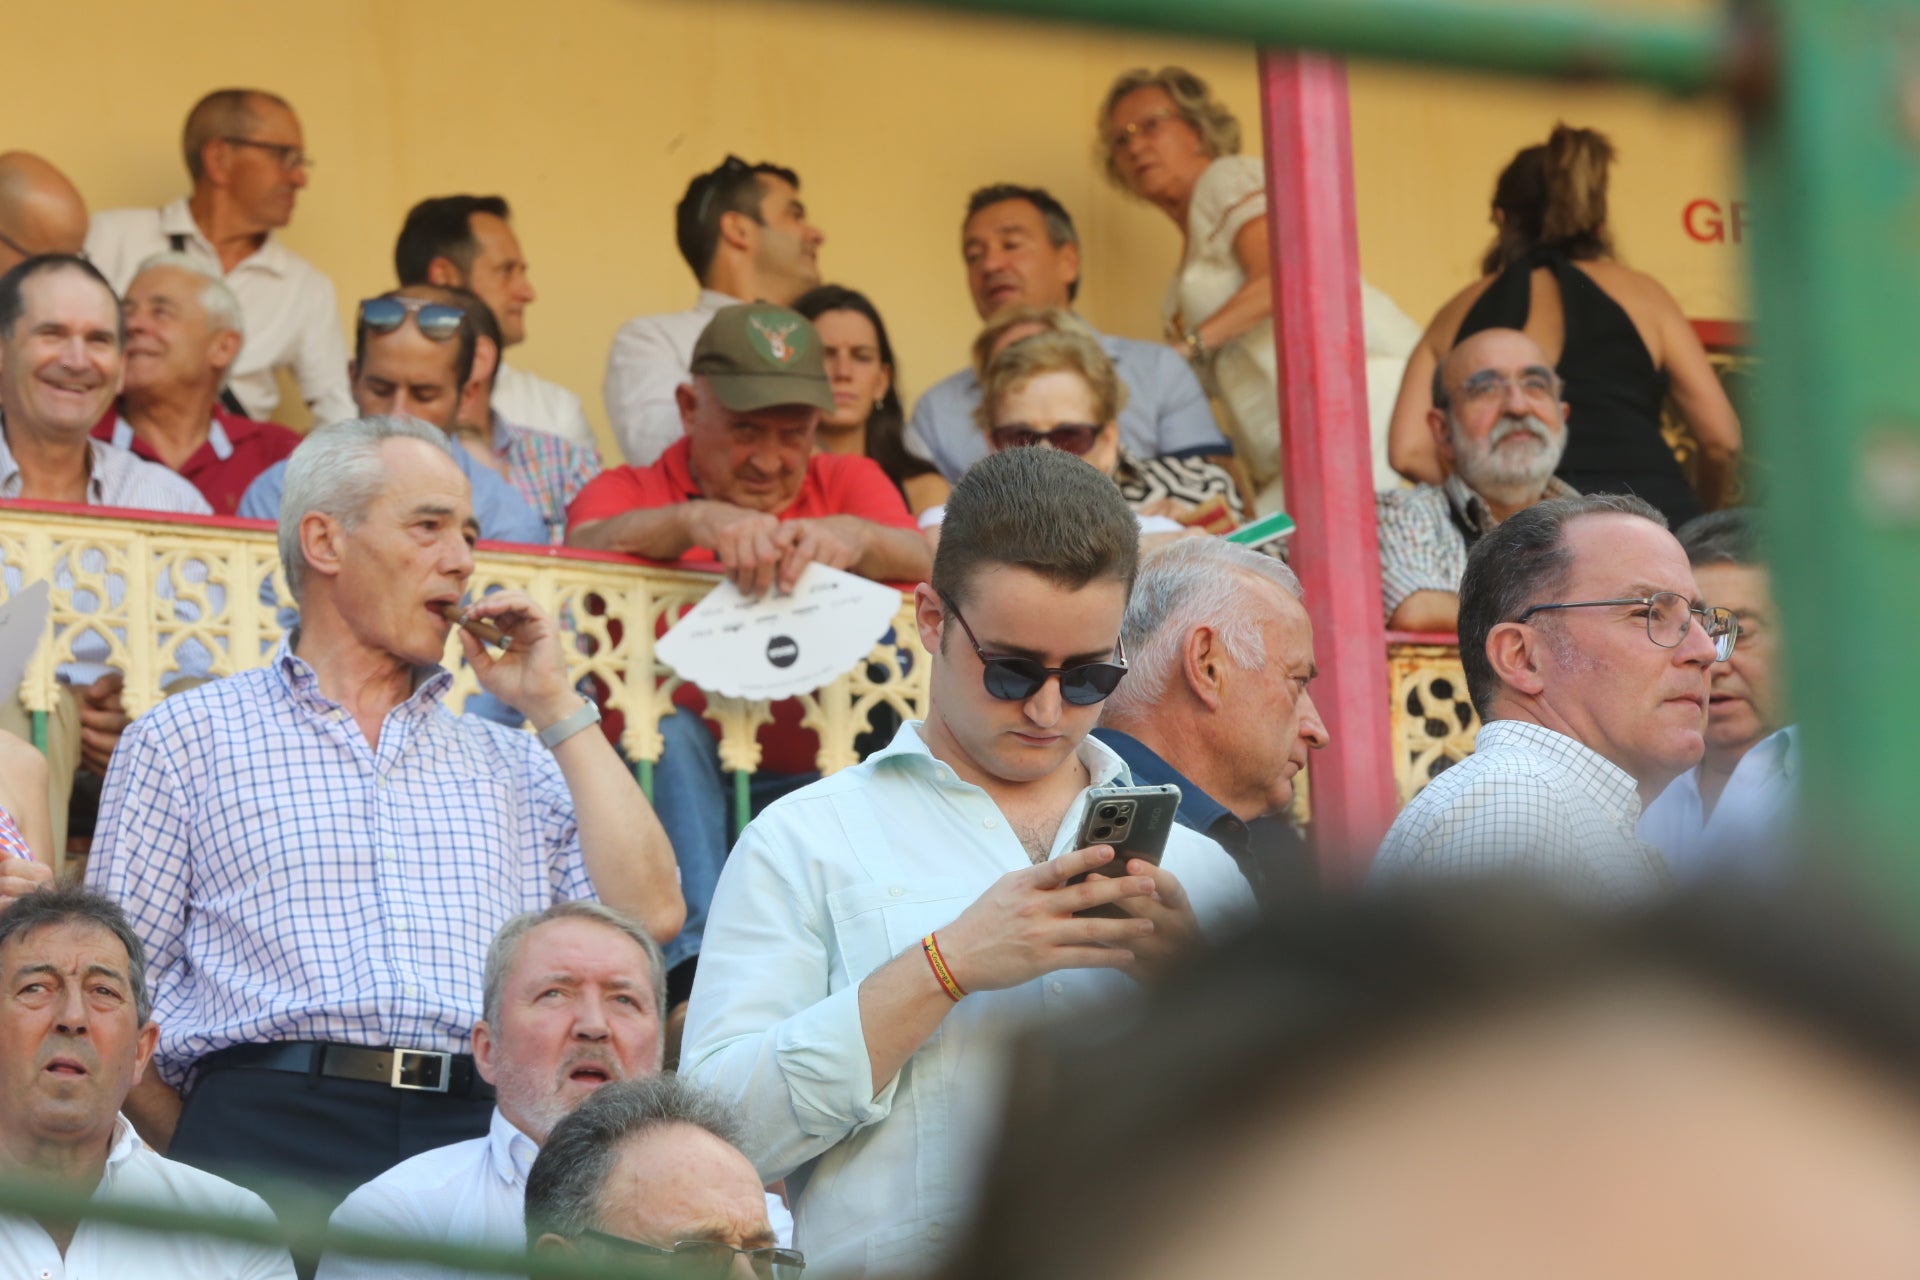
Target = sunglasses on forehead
(436,320)
(1017,679)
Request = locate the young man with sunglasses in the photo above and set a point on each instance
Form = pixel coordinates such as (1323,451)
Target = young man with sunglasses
(247,158)
(1588,653)
(877,934)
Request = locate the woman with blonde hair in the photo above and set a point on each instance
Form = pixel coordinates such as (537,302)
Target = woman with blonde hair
(1166,139)
(1619,340)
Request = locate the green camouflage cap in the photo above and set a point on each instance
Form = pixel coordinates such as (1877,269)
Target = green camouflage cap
(759,355)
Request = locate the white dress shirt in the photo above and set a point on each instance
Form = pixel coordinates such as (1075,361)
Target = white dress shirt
(292,315)
(1751,826)
(826,886)
(1534,802)
(651,356)
(529,401)
(100,1251)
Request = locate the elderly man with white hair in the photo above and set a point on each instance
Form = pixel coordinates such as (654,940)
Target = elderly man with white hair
(312,851)
(184,331)
(1217,702)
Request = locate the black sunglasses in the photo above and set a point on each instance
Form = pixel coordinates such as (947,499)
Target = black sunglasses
(436,320)
(1071,437)
(704,1259)
(1017,679)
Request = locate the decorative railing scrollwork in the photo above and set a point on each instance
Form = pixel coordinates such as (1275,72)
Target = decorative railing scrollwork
(1433,722)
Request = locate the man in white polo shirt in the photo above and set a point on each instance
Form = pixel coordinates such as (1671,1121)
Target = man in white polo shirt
(248,162)
(75,1036)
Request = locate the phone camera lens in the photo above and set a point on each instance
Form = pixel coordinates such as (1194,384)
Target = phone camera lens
(1108,810)
(1101,833)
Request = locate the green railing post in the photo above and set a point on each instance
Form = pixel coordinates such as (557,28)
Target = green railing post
(643,774)
(742,801)
(39,719)
(1833,162)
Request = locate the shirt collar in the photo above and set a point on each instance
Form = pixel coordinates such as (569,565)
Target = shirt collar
(124,1146)
(106,464)
(1473,508)
(505,435)
(1606,783)
(510,1153)
(217,438)
(302,682)
(1197,809)
(711,300)
(176,219)
(909,751)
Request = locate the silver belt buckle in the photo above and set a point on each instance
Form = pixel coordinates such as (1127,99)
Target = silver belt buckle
(426,1070)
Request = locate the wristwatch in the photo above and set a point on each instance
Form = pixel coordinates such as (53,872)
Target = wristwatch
(1197,352)
(560,730)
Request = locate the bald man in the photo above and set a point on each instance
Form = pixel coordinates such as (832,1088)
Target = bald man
(1501,427)
(40,211)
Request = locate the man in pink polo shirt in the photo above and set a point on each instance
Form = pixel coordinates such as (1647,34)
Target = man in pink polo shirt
(744,486)
(744,492)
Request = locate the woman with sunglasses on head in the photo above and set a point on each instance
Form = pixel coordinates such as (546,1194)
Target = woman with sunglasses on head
(1044,380)
(868,417)
(1165,138)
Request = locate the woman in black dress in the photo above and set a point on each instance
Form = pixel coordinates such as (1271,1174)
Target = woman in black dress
(1619,340)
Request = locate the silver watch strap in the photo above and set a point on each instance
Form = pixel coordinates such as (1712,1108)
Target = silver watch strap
(560,730)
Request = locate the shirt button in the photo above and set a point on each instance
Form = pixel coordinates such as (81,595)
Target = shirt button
(399,926)
(387,855)
(989,823)
(381,782)
(897,892)
(409,990)
(1055,987)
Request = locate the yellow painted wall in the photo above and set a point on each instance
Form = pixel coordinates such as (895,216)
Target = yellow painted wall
(590,115)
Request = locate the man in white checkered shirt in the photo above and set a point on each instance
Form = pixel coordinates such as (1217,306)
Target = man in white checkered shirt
(316,852)
(1500,426)
(1587,652)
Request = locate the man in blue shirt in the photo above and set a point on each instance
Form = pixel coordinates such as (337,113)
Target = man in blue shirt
(1217,702)
(1021,248)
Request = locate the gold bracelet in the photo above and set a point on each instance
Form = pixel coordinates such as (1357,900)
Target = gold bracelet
(931,945)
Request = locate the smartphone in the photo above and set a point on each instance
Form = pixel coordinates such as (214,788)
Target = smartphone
(1135,821)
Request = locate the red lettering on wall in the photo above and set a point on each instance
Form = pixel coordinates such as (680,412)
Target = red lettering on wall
(1702,220)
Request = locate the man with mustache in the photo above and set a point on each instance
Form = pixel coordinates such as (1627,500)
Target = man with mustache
(75,1035)
(1500,426)
(1587,653)
(1732,813)
(571,1000)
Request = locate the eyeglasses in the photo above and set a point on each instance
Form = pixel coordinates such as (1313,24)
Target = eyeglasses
(436,320)
(1073,437)
(1488,387)
(1668,615)
(1147,126)
(291,158)
(1017,679)
(706,1259)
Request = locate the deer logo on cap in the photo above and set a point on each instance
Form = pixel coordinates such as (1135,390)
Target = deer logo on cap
(772,341)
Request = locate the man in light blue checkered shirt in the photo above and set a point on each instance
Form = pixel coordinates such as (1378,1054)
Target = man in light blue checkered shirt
(1587,651)
(316,853)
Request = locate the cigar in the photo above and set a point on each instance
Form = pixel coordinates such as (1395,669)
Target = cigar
(479,627)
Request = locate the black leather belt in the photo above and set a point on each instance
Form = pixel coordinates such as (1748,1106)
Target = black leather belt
(421,1070)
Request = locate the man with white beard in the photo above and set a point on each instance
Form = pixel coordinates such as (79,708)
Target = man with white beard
(1501,427)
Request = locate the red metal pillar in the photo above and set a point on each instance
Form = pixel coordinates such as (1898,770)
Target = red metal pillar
(1325,454)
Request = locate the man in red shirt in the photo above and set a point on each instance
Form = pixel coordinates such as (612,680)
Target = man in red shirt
(744,487)
(744,492)
(183,335)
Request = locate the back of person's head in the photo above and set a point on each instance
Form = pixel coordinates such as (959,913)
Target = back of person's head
(1372,1038)
(68,904)
(1722,537)
(338,471)
(13,283)
(732,187)
(1040,510)
(476,318)
(1523,561)
(442,227)
(1555,195)
(224,113)
(1059,223)
(1060,350)
(1187,584)
(569,1177)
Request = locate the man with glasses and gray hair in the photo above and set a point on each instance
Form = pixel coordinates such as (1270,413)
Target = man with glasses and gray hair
(311,848)
(247,157)
(744,233)
(1217,702)
(184,331)
(1588,653)
(1500,426)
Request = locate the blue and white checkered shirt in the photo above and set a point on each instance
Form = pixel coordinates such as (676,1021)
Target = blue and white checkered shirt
(1533,802)
(290,882)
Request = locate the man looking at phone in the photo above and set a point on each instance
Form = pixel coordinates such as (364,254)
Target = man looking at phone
(876,934)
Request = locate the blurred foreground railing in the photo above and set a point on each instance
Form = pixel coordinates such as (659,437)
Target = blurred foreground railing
(161,597)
